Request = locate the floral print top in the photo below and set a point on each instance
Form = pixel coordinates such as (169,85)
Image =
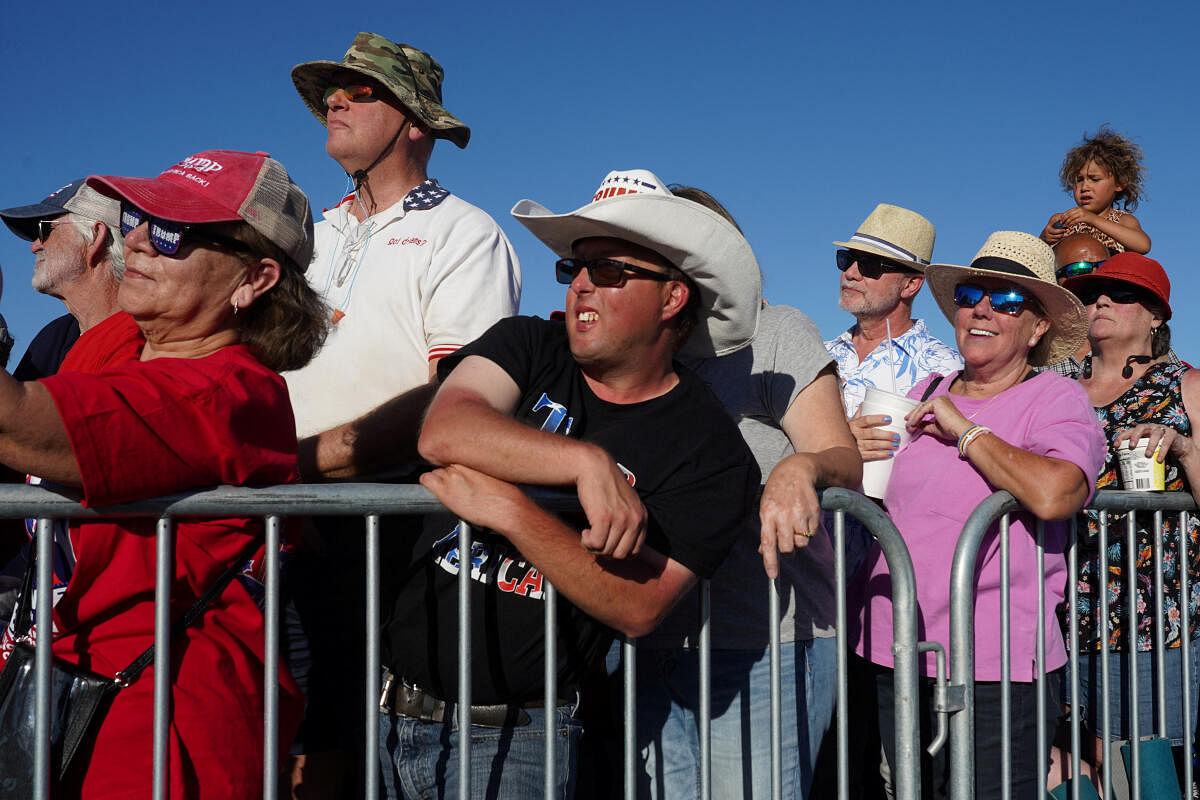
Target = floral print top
(1155,397)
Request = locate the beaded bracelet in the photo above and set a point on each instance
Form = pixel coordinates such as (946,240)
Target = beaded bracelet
(969,435)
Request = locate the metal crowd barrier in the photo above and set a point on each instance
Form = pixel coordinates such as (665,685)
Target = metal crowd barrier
(962,655)
(373,500)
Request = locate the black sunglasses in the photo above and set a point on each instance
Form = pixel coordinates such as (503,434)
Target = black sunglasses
(1076,269)
(603,271)
(1009,300)
(167,235)
(869,264)
(1116,291)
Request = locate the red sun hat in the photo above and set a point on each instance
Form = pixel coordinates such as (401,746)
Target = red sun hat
(224,186)
(1132,268)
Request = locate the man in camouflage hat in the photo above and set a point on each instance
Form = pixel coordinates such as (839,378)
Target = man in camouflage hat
(411,273)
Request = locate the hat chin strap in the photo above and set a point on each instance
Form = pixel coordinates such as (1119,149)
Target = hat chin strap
(359,176)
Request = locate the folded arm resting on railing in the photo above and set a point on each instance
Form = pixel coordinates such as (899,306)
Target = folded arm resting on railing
(1051,488)
(631,595)
(32,436)
(826,455)
(470,422)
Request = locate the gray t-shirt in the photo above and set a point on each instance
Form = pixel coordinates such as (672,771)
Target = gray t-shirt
(757,386)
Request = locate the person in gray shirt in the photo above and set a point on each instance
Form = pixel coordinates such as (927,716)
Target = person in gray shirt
(783,392)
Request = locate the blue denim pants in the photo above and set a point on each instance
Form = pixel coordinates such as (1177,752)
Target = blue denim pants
(420,759)
(1120,698)
(668,719)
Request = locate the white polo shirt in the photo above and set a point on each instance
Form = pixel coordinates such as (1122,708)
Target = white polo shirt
(405,286)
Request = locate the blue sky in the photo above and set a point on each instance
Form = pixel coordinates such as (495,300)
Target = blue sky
(799,117)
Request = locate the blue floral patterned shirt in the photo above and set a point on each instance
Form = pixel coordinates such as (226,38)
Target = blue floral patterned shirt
(917,354)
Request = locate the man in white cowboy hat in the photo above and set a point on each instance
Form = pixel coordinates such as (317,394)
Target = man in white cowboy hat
(410,271)
(882,268)
(598,405)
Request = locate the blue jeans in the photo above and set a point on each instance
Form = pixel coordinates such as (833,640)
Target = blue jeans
(668,719)
(420,759)
(1091,696)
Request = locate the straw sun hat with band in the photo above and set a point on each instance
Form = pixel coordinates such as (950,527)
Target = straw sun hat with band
(1028,262)
(634,205)
(897,234)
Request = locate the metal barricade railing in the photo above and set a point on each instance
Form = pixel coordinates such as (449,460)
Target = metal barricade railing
(907,769)
(962,635)
(371,501)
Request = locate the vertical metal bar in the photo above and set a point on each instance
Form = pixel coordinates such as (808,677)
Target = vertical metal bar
(1101,579)
(843,659)
(550,680)
(629,662)
(164,573)
(271,660)
(43,611)
(705,731)
(1005,666)
(776,696)
(466,562)
(1160,625)
(1186,645)
(1040,649)
(1073,654)
(1135,755)
(373,662)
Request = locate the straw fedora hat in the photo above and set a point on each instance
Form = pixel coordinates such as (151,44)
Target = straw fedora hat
(1028,262)
(895,233)
(636,206)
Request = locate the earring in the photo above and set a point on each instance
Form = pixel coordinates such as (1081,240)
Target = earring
(235,308)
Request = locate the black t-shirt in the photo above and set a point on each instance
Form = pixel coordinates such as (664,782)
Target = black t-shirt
(48,349)
(681,452)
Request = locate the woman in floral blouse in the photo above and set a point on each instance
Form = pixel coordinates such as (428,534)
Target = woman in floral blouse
(1137,394)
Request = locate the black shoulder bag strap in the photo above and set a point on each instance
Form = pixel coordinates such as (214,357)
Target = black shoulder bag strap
(931,388)
(131,673)
(23,616)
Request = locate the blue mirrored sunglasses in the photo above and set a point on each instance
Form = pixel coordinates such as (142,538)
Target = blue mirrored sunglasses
(1003,301)
(167,235)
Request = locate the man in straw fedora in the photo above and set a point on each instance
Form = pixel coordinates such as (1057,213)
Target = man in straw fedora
(597,404)
(410,272)
(882,268)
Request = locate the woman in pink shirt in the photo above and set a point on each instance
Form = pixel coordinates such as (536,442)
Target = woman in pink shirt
(997,424)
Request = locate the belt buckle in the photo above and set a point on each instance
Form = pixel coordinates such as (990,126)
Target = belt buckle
(389,681)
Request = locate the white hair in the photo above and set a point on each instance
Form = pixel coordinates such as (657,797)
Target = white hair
(114,241)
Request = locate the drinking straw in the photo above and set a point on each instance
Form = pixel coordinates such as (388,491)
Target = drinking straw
(891,354)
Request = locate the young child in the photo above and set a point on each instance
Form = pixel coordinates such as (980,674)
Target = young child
(1102,171)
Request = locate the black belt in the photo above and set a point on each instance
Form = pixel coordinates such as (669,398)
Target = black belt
(398,697)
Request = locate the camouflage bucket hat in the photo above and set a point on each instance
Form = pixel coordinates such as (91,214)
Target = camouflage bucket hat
(412,75)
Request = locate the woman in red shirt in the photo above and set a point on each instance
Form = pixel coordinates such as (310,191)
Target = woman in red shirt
(215,252)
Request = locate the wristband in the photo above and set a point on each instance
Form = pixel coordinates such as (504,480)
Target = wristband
(969,435)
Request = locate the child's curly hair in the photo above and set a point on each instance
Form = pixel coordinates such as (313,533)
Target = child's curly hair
(1115,153)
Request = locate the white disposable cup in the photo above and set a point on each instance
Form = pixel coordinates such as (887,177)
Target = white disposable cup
(1140,473)
(877,401)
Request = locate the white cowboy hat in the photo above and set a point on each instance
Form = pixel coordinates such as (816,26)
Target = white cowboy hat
(634,205)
